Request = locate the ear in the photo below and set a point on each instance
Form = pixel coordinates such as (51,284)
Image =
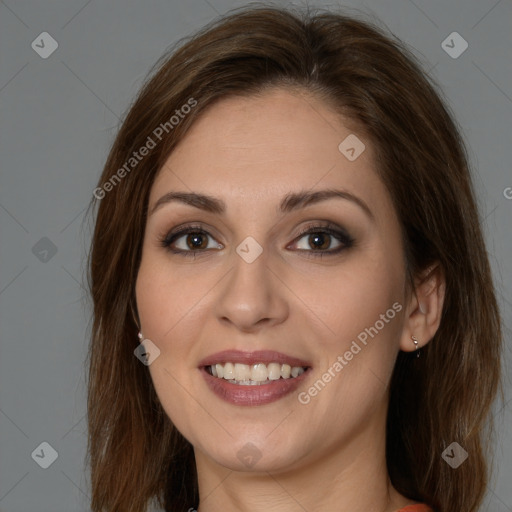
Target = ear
(424,311)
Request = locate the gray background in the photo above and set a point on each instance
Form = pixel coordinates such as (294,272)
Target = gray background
(58,119)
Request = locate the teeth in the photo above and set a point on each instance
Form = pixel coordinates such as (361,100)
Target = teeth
(259,372)
(297,370)
(242,372)
(285,371)
(229,371)
(250,375)
(274,371)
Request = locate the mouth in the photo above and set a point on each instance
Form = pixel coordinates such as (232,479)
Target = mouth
(253,378)
(254,375)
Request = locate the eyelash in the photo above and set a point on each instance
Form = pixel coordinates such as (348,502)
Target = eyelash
(329,229)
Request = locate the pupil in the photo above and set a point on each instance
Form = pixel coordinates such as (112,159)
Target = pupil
(195,241)
(319,237)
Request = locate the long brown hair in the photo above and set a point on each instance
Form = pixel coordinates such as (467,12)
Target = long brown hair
(135,453)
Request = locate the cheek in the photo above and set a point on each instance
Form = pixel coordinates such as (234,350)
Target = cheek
(352,297)
(168,318)
(171,308)
(164,298)
(360,308)
(364,316)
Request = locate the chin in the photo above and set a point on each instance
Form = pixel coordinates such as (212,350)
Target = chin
(254,453)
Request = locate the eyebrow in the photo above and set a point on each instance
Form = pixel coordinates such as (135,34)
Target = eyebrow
(291,202)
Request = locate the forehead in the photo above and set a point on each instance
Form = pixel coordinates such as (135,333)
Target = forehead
(267,145)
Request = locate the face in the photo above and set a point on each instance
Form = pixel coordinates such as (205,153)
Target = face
(268,277)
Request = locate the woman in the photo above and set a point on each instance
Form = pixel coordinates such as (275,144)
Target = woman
(287,224)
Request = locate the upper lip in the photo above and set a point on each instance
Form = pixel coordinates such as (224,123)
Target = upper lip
(249,358)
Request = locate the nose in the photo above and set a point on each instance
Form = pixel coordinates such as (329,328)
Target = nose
(251,297)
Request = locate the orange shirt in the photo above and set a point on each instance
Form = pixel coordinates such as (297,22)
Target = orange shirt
(416,508)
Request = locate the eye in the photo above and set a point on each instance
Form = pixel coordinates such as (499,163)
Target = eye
(323,240)
(189,239)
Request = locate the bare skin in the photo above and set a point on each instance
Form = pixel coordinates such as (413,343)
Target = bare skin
(328,453)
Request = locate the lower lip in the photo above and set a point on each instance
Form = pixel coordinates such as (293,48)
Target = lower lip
(253,395)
